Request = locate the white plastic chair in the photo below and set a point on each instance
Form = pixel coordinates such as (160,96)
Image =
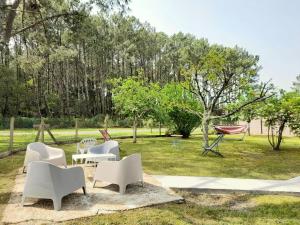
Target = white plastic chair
(105,148)
(38,151)
(45,180)
(126,171)
(86,143)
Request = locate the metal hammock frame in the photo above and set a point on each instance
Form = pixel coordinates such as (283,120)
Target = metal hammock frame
(221,132)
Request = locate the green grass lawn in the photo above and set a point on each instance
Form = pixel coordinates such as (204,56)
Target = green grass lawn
(252,158)
(24,136)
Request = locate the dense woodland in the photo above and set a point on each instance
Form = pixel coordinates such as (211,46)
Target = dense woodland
(60,66)
(85,58)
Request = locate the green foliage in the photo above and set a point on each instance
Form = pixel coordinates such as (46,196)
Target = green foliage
(53,105)
(10,91)
(149,123)
(132,98)
(171,104)
(296,84)
(182,108)
(279,111)
(62,54)
(184,122)
(220,77)
(31,64)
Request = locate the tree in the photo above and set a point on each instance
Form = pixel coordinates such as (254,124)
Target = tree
(219,76)
(10,10)
(63,54)
(280,111)
(131,98)
(296,84)
(10,92)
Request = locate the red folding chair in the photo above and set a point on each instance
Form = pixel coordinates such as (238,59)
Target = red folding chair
(105,135)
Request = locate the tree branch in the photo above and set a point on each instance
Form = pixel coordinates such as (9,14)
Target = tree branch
(199,92)
(216,97)
(10,20)
(41,21)
(261,98)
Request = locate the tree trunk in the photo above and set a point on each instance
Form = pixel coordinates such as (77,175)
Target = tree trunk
(159,128)
(276,142)
(249,128)
(279,138)
(134,129)
(205,123)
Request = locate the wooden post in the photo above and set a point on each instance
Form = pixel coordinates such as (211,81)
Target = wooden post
(11,133)
(51,135)
(42,128)
(76,128)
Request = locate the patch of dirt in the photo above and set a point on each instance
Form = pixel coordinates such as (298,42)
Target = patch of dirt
(234,201)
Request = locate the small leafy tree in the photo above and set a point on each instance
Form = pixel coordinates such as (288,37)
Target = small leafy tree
(131,98)
(280,111)
(220,76)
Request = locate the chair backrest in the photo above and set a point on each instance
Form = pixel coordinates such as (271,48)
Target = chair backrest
(132,167)
(107,147)
(105,135)
(88,142)
(40,175)
(40,148)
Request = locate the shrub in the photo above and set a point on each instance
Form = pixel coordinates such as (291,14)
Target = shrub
(184,122)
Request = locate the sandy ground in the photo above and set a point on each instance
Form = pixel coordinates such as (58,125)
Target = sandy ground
(103,199)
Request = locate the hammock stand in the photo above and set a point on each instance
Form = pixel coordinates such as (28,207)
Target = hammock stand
(221,132)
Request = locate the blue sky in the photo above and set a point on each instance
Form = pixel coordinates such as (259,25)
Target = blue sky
(268,28)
